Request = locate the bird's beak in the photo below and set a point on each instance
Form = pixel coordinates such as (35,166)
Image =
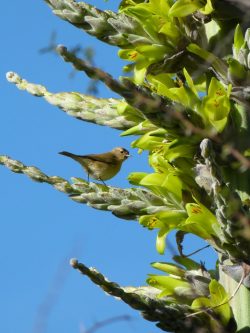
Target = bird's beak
(128,155)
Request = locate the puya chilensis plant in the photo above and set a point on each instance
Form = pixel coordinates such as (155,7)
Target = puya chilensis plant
(186,98)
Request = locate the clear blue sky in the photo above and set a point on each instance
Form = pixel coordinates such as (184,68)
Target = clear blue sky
(41,229)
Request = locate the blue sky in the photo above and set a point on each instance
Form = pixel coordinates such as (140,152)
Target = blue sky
(41,229)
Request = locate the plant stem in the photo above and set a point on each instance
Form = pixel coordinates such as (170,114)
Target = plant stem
(240,303)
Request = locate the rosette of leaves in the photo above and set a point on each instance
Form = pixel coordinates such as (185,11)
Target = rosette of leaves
(190,283)
(169,34)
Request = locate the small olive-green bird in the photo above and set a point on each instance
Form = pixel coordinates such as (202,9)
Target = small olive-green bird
(101,166)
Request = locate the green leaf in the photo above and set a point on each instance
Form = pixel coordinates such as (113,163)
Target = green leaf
(208,8)
(169,268)
(237,71)
(180,150)
(220,296)
(218,302)
(183,8)
(141,128)
(135,177)
(178,94)
(155,7)
(147,141)
(218,64)
(127,3)
(164,183)
(161,81)
(149,22)
(166,221)
(172,218)
(170,30)
(187,262)
(238,38)
(143,56)
(216,105)
(167,283)
(140,74)
(150,221)
(190,82)
(160,164)
(165,85)
(201,303)
(212,28)
(160,7)
(152,52)
(200,221)
(161,240)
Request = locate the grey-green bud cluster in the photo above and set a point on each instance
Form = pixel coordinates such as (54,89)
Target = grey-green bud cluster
(169,317)
(241,51)
(124,203)
(100,111)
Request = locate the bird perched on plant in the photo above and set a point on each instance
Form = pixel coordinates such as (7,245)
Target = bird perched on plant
(101,166)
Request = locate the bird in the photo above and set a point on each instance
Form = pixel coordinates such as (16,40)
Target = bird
(102,166)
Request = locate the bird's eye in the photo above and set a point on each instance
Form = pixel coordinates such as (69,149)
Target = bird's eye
(122,151)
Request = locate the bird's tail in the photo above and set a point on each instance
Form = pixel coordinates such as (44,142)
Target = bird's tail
(66,153)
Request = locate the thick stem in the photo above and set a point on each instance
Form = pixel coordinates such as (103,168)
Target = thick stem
(240,303)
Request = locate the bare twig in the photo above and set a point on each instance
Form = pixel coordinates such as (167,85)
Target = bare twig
(106,322)
(51,298)
(196,251)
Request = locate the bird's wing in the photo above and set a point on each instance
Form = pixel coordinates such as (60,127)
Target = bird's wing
(108,158)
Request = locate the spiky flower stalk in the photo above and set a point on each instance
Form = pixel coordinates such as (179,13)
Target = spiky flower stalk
(109,27)
(84,107)
(168,317)
(124,203)
(160,111)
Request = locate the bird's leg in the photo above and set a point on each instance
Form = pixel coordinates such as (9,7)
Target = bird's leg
(103,182)
(88,177)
